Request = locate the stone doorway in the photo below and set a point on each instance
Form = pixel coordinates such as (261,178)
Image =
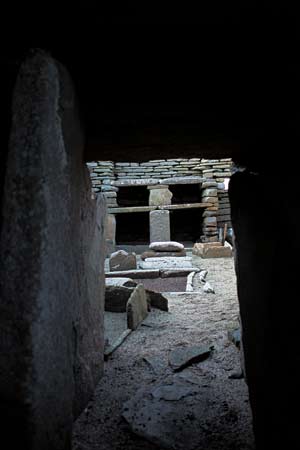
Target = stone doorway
(132,228)
(185,225)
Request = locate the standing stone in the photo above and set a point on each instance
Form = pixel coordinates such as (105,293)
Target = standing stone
(158,197)
(137,307)
(110,233)
(159,226)
(52,280)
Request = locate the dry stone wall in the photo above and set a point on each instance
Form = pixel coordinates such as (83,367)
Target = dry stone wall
(107,177)
(105,173)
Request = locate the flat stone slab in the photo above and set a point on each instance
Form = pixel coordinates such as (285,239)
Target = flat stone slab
(137,307)
(180,272)
(153,254)
(185,206)
(182,180)
(139,273)
(156,363)
(177,413)
(166,263)
(131,209)
(120,281)
(180,358)
(136,182)
(167,246)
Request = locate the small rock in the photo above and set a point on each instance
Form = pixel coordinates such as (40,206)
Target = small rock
(203,275)
(235,337)
(122,260)
(208,288)
(180,358)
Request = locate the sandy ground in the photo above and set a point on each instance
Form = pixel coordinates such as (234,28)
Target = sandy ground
(196,318)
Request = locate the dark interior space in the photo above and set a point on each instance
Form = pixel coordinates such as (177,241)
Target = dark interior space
(185,193)
(132,228)
(133,196)
(219,82)
(186,224)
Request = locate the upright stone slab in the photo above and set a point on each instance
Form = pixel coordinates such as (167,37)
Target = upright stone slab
(160,226)
(110,233)
(51,267)
(158,197)
(137,307)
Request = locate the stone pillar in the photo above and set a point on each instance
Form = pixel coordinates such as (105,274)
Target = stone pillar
(110,233)
(51,269)
(160,226)
(209,194)
(159,195)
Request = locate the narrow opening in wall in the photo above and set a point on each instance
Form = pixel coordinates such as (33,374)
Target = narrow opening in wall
(186,225)
(133,196)
(185,193)
(132,228)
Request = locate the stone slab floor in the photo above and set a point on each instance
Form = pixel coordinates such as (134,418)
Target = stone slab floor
(213,412)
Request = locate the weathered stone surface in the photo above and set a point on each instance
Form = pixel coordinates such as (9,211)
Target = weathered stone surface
(209,250)
(122,260)
(235,336)
(180,272)
(160,197)
(137,307)
(169,246)
(210,199)
(132,209)
(156,363)
(209,221)
(209,193)
(138,273)
(182,357)
(189,282)
(158,186)
(182,180)
(110,233)
(185,206)
(152,254)
(120,281)
(157,300)
(135,182)
(208,288)
(166,263)
(159,226)
(52,243)
(116,298)
(208,184)
(202,275)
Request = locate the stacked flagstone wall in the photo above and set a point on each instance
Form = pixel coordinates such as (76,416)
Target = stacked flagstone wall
(107,177)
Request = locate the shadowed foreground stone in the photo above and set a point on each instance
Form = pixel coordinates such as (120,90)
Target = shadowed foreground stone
(52,247)
(137,307)
(180,412)
(180,358)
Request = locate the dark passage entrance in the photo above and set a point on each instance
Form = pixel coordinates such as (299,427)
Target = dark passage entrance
(133,196)
(185,193)
(186,224)
(132,228)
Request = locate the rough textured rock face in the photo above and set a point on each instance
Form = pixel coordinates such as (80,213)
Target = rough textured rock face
(267,283)
(51,245)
